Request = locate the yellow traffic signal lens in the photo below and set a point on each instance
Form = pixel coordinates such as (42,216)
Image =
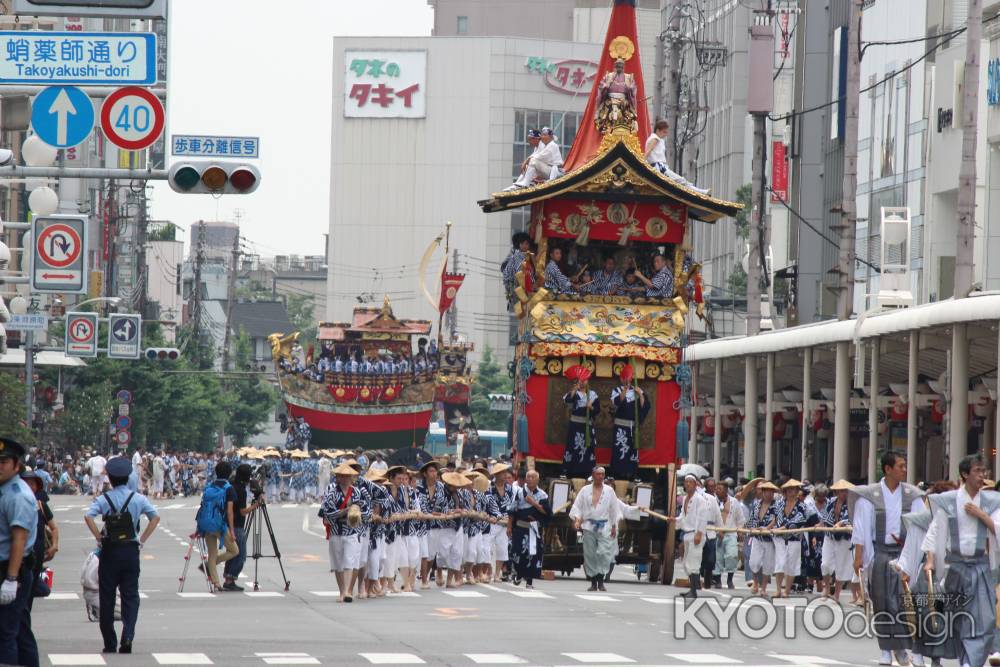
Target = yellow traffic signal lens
(214,178)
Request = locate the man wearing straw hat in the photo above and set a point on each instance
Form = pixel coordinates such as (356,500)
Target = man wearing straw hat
(879,533)
(792,515)
(596,512)
(345,508)
(435,501)
(837,560)
(452,538)
(761,513)
(503,495)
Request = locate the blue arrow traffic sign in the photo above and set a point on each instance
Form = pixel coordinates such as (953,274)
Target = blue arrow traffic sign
(124,335)
(62,116)
(124,330)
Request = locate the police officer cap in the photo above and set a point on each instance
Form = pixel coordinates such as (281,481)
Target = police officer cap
(10,448)
(119,466)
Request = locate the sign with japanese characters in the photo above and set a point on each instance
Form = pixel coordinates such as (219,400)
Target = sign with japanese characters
(385,84)
(59,253)
(87,58)
(28,322)
(202,145)
(565,76)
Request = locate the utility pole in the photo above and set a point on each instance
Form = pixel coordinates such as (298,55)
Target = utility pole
(199,259)
(760,101)
(848,222)
(672,74)
(141,269)
(958,414)
(230,300)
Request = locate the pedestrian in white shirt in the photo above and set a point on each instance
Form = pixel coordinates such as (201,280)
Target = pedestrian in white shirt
(727,557)
(656,155)
(98,478)
(965,524)
(596,512)
(693,521)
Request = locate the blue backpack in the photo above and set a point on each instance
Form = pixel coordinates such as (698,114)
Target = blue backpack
(211,516)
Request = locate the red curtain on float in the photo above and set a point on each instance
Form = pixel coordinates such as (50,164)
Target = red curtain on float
(622,23)
(666,416)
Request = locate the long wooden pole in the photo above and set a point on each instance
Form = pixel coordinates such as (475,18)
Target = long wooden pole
(669,542)
(447,238)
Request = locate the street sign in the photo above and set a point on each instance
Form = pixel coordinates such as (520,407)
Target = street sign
(28,322)
(123,410)
(132,118)
(62,116)
(201,145)
(87,58)
(59,254)
(124,336)
(126,9)
(124,396)
(123,437)
(81,334)
(123,422)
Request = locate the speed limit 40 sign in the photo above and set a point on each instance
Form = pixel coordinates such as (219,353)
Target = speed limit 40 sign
(132,118)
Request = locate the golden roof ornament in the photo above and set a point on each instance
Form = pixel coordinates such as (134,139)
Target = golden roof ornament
(621,47)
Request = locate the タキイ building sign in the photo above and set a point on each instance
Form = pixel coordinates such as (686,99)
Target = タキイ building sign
(389,84)
(571,77)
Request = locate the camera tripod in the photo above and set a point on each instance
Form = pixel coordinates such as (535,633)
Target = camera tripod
(256,522)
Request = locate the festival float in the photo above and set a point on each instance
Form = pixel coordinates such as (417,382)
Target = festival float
(609,202)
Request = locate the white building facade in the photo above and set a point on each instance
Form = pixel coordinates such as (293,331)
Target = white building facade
(399,174)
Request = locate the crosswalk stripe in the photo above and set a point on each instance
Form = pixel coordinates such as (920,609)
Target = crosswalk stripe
(531,594)
(404,594)
(76,659)
(597,598)
(392,658)
(182,659)
(291,660)
(325,594)
(495,659)
(605,658)
(465,594)
(196,595)
(659,600)
(263,594)
(807,659)
(704,658)
(62,596)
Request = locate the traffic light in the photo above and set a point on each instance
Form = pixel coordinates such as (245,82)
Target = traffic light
(162,353)
(206,177)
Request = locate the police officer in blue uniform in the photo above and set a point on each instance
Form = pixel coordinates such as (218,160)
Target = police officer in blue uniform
(120,543)
(18,531)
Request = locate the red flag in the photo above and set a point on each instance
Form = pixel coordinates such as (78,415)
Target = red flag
(621,27)
(450,282)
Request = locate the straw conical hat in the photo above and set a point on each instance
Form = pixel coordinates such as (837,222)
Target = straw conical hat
(344,469)
(499,468)
(481,483)
(767,486)
(455,479)
(841,485)
(791,484)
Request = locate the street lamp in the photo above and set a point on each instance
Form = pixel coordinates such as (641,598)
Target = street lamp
(113,300)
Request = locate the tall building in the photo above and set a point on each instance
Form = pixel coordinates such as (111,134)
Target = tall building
(400,179)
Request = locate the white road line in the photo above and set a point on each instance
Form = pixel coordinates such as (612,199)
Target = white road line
(392,658)
(605,658)
(597,598)
(704,658)
(531,594)
(281,654)
(289,506)
(806,659)
(498,590)
(76,659)
(326,594)
(263,594)
(175,506)
(659,600)
(62,596)
(465,594)
(306,529)
(495,659)
(196,595)
(406,594)
(182,659)
(291,660)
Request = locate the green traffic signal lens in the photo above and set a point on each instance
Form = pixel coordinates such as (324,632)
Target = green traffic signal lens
(186,178)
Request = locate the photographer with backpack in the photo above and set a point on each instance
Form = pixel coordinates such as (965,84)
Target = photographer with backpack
(215,521)
(118,570)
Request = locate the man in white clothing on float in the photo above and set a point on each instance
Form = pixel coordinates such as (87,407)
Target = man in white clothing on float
(656,155)
(596,512)
(544,163)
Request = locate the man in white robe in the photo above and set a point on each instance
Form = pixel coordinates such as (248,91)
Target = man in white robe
(544,163)
(695,514)
(596,512)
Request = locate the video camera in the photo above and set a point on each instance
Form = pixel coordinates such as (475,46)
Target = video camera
(257,478)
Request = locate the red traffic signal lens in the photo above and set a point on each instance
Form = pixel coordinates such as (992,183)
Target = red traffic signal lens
(242,179)
(172,355)
(186,178)
(214,178)
(161,354)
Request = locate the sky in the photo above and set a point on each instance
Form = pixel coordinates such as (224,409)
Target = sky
(264,69)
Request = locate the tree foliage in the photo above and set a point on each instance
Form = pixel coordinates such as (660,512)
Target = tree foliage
(12,408)
(250,400)
(301,312)
(490,378)
(744,195)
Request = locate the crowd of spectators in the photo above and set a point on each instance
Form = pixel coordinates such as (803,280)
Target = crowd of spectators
(351,366)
